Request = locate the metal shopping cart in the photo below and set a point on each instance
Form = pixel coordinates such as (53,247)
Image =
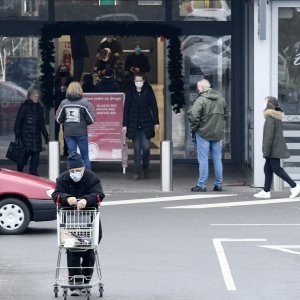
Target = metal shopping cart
(77,231)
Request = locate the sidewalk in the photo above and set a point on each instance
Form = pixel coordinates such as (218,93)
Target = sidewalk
(236,177)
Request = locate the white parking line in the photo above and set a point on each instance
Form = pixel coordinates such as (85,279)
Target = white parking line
(259,224)
(165,199)
(237,203)
(284,248)
(224,262)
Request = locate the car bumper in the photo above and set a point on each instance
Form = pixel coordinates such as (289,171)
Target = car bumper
(43,210)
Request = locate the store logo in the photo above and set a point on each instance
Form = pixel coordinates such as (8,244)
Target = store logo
(297,60)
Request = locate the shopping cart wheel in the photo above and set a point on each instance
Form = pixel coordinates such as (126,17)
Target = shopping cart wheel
(55,291)
(88,295)
(101,289)
(65,295)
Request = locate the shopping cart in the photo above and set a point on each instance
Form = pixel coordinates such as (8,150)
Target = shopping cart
(77,230)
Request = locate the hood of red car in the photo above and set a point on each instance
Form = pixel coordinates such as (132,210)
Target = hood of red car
(32,187)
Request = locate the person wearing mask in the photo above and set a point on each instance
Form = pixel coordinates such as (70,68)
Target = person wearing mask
(137,62)
(108,83)
(88,84)
(206,117)
(79,188)
(62,80)
(274,148)
(76,113)
(140,121)
(29,128)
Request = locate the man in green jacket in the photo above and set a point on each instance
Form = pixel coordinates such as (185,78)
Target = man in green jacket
(206,118)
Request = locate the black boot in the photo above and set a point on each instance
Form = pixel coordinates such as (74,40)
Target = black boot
(146,171)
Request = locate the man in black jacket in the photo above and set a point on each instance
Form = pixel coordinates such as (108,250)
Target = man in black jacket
(29,126)
(80,188)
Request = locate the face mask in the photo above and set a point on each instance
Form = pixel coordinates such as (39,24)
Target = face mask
(76,176)
(137,50)
(139,84)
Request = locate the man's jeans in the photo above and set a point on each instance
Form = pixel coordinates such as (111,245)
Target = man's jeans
(203,149)
(141,142)
(82,143)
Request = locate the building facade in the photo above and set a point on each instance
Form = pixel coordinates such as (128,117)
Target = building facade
(247,49)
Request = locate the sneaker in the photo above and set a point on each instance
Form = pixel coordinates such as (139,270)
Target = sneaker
(262,194)
(198,188)
(217,188)
(295,191)
(75,292)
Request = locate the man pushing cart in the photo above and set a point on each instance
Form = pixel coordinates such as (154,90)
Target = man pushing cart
(78,194)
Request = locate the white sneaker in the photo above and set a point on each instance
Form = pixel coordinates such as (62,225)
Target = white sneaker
(295,191)
(263,194)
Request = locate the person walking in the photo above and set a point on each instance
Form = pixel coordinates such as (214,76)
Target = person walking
(76,113)
(137,61)
(108,83)
(206,117)
(79,187)
(140,121)
(29,128)
(274,148)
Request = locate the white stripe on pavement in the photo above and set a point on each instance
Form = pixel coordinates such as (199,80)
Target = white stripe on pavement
(284,248)
(238,203)
(224,262)
(165,199)
(259,224)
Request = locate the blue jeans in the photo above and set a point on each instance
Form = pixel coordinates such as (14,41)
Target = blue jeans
(141,143)
(82,143)
(203,149)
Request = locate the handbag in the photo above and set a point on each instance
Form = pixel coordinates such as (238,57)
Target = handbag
(14,150)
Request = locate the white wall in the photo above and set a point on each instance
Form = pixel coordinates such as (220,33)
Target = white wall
(262,88)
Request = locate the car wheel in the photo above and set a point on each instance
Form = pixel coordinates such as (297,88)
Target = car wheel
(14,216)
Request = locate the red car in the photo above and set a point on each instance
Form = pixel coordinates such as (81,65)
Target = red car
(24,198)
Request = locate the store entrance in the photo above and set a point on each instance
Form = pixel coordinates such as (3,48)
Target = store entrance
(152,49)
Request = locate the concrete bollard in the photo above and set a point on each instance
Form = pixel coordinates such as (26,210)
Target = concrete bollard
(166,166)
(53,160)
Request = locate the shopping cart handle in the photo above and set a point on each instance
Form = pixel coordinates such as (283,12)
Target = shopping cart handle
(98,200)
(58,200)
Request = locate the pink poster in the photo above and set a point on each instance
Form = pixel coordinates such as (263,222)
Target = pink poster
(105,135)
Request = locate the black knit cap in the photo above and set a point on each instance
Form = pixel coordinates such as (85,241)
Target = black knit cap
(75,161)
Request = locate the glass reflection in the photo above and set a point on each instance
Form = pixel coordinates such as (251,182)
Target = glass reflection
(202,10)
(205,57)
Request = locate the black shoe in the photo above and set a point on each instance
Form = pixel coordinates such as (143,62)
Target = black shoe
(198,189)
(136,177)
(218,188)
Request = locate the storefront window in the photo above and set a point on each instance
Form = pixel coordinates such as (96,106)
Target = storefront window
(19,70)
(202,10)
(289,82)
(204,57)
(24,9)
(110,10)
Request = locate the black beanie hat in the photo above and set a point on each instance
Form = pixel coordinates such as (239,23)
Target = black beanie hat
(75,161)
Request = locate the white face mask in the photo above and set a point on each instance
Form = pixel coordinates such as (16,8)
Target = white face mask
(76,176)
(139,84)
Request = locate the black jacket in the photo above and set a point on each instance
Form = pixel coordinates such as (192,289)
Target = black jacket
(30,124)
(140,111)
(137,61)
(88,188)
(108,85)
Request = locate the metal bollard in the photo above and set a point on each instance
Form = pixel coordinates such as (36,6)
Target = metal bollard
(53,160)
(166,166)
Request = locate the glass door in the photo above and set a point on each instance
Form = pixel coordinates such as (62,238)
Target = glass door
(286,76)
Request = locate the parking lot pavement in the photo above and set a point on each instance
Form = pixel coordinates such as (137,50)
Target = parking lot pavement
(158,248)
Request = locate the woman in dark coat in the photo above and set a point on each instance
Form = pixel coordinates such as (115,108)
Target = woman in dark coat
(274,149)
(140,119)
(29,126)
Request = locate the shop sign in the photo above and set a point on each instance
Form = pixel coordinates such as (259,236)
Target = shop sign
(105,135)
(150,2)
(291,118)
